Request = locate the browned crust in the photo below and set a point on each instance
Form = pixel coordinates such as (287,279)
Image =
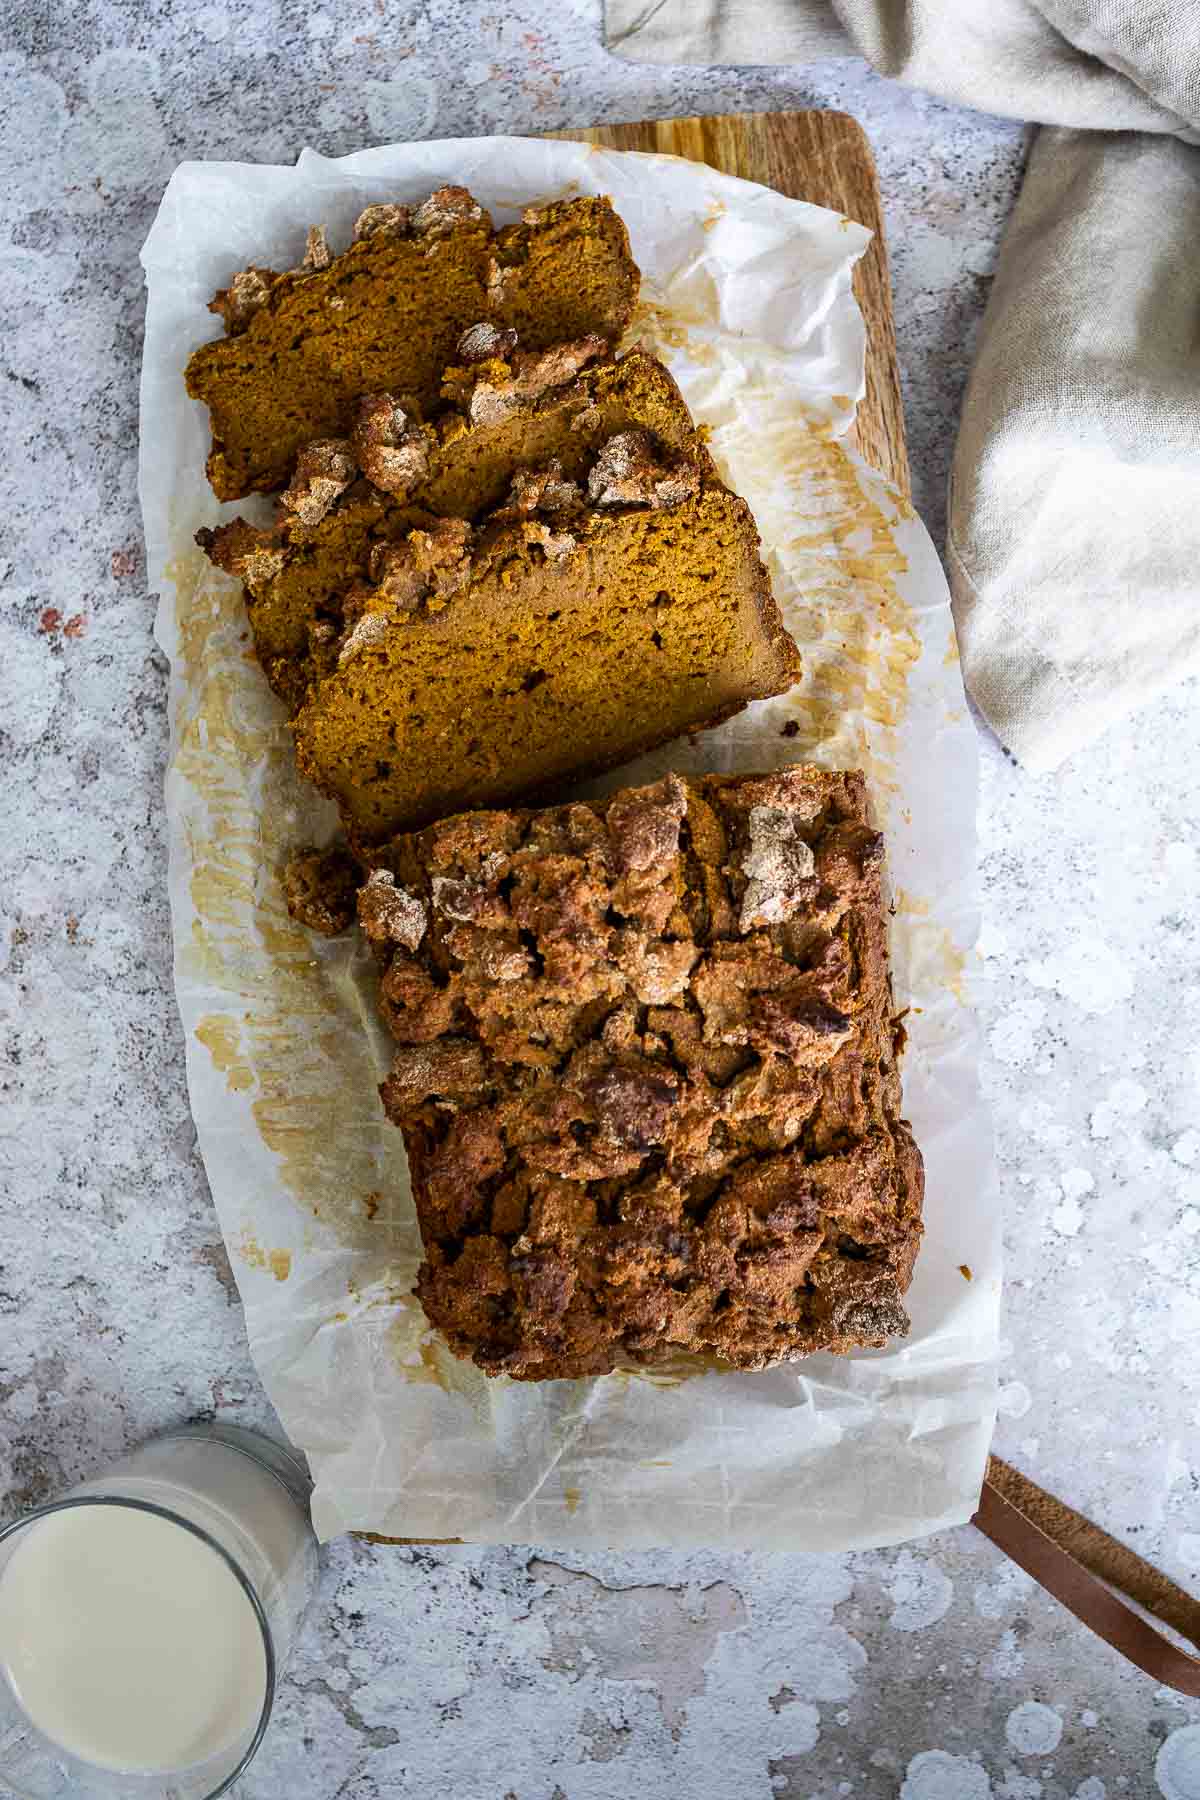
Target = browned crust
(558,1249)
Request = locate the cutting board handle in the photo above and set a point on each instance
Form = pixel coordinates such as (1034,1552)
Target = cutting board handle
(1098,1579)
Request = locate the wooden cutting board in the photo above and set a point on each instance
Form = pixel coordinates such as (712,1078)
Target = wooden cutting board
(819,156)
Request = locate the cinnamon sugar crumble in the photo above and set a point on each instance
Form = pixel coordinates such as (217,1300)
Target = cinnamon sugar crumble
(485,342)
(237,304)
(392,447)
(446,208)
(324,470)
(316,250)
(778,865)
(319,888)
(250,552)
(389,914)
(384,217)
(632,471)
(653,1132)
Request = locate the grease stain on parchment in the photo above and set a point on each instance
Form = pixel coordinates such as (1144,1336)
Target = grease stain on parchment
(222,1039)
(279,1262)
(422,1356)
(291,1045)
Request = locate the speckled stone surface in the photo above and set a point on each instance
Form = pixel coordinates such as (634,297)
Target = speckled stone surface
(934,1672)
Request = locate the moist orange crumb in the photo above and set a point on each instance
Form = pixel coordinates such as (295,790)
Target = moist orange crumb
(386,314)
(297,574)
(484,664)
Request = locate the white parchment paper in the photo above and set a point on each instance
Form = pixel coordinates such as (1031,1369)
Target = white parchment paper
(747,297)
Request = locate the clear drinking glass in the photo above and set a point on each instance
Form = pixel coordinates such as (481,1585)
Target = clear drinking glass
(235,1586)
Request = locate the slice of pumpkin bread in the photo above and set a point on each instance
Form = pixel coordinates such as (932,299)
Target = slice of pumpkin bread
(562,404)
(572,630)
(301,347)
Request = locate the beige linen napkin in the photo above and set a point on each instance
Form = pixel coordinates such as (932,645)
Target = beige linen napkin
(1074,538)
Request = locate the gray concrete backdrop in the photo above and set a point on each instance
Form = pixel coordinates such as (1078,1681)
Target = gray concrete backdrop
(934,1672)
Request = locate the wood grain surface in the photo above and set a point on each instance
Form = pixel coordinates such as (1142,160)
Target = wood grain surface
(819,156)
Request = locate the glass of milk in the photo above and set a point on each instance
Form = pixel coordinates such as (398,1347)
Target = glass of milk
(145,1617)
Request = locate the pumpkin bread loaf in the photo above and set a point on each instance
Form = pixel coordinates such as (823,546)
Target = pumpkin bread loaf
(646,1075)
(301,347)
(574,628)
(503,412)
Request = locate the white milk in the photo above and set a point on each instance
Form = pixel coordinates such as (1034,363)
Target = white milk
(128,1641)
(125,1638)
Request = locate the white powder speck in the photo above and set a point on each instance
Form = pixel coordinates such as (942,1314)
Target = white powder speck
(1089,1720)
(1087,971)
(1188,1548)
(921,1593)
(1067,1216)
(1189,1221)
(843,1718)
(1014,1400)
(1177,1766)
(936,1775)
(1125,1100)
(1186,1149)
(1091,1789)
(1033,1729)
(1076,1183)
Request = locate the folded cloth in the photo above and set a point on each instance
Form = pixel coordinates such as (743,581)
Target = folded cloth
(1074,534)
